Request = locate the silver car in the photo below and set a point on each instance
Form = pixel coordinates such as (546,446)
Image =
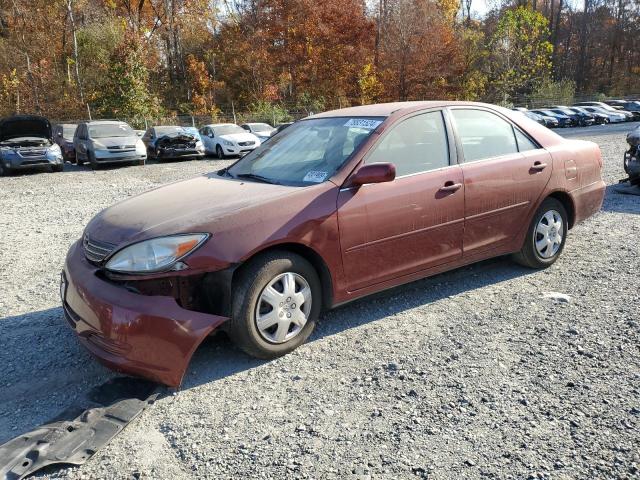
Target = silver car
(101,142)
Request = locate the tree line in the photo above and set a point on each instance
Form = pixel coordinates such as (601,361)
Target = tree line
(152,58)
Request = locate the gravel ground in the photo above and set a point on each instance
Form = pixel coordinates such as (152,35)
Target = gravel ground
(468,374)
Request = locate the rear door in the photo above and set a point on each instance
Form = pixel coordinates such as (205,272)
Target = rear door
(505,173)
(412,223)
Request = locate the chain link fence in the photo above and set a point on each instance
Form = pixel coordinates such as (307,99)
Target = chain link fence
(290,113)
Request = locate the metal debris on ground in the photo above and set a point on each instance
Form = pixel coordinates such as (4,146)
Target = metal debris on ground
(78,432)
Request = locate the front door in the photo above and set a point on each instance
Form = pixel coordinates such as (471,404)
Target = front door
(505,172)
(392,229)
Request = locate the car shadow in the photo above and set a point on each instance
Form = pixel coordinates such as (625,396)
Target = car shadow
(617,202)
(217,358)
(43,369)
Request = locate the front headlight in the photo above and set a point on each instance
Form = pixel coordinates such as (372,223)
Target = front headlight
(227,143)
(156,254)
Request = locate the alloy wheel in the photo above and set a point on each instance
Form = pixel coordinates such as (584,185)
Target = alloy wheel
(283,308)
(548,234)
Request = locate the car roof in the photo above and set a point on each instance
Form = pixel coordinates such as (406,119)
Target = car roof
(386,109)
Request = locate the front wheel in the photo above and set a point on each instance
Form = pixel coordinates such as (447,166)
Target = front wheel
(546,236)
(276,302)
(219,152)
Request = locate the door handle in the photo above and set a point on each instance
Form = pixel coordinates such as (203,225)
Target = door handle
(539,166)
(451,187)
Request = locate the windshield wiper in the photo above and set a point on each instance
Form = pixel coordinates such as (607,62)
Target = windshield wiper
(257,177)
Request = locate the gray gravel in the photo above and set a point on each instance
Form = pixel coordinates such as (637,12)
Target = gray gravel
(489,371)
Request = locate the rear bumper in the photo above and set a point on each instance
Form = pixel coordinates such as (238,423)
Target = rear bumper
(588,200)
(147,336)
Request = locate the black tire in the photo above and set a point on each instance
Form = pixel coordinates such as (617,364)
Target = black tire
(219,152)
(57,168)
(253,279)
(529,256)
(3,171)
(93,164)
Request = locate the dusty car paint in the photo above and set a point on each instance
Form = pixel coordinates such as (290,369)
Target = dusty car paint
(427,229)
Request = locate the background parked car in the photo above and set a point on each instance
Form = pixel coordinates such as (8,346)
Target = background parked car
(614,116)
(63,136)
(533,116)
(632,157)
(628,116)
(631,106)
(582,119)
(263,131)
(100,142)
(563,120)
(599,118)
(26,141)
(227,139)
(172,142)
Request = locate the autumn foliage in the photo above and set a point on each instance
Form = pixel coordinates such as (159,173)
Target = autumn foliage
(140,59)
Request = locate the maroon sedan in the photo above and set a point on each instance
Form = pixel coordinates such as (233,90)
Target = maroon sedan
(337,206)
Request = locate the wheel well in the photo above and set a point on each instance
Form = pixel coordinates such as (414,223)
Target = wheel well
(567,203)
(308,254)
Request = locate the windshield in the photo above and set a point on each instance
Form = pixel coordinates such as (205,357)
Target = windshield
(111,130)
(260,127)
(227,129)
(69,130)
(309,151)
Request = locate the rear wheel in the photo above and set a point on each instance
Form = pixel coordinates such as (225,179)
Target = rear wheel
(546,236)
(276,302)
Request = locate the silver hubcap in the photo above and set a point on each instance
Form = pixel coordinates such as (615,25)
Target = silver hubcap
(548,234)
(283,308)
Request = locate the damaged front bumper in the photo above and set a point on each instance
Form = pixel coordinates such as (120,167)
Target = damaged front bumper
(150,336)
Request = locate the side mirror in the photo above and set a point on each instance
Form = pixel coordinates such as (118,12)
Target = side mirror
(373,173)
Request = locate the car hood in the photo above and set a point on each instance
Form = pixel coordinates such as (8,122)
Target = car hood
(176,138)
(181,207)
(20,126)
(240,137)
(116,141)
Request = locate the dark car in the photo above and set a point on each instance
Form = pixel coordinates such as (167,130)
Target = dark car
(598,118)
(63,135)
(582,119)
(26,142)
(563,120)
(338,206)
(172,142)
(630,106)
(632,157)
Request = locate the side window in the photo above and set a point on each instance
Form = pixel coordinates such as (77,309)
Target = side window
(418,144)
(483,134)
(524,143)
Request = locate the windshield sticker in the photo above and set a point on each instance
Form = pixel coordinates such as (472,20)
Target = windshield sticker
(363,123)
(315,177)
